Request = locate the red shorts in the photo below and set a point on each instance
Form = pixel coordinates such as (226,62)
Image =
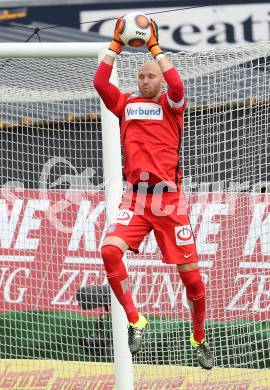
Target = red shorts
(164,213)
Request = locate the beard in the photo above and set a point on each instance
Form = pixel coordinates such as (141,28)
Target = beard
(146,93)
(149,93)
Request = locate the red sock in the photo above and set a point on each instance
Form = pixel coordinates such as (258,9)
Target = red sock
(196,299)
(118,279)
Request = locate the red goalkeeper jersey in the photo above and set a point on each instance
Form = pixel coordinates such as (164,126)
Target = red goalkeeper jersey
(151,131)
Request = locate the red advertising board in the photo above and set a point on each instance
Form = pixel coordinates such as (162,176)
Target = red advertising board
(50,246)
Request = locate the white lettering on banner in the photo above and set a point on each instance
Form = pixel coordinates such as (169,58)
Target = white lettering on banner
(24,273)
(241,293)
(87,274)
(8,223)
(73,275)
(171,294)
(85,226)
(208,227)
(255,265)
(137,282)
(262,295)
(149,244)
(17,259)
(197,29)
(157,286)
(162,289)
(259,230)
(195,213)
(3,270)
(141,110)
(137,278)
(30,223)
(160,279)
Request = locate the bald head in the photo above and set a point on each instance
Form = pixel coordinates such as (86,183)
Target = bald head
(150,66)
(150,80)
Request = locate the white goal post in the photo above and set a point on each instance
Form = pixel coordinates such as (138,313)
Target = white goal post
(112,177)
(60,186)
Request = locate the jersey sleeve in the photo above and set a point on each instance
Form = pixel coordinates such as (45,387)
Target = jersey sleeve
(178,107)
(175,94)
(109,93)
(119,108)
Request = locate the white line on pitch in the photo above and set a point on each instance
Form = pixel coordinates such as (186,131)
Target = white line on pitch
(134,262)
(23,259)
(252,264)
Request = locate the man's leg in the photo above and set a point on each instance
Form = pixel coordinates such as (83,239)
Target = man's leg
(176,241)
(112,254)
(192,280)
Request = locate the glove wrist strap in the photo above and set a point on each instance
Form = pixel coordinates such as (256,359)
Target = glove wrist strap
(111,53)
(159,56)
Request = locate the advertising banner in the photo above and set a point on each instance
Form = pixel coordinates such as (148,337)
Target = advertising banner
(50,244)
(56,375)
(195,29)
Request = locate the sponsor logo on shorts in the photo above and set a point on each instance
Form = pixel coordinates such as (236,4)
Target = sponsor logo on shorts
(183,235)
(150,111)
(124,217)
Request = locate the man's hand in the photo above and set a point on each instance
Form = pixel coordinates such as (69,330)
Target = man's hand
(116,44)
(152,44)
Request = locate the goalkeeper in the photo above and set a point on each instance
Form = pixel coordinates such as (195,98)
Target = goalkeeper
(151,132)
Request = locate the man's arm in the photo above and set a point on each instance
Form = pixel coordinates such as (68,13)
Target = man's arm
(108,59)
(108,92)
(170,74)
(175,84)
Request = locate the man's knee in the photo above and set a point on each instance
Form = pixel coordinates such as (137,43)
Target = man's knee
(112,256)
(193,283)
(116,241)
(196,289)
(109,252)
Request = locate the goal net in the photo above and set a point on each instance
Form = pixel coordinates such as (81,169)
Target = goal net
(55,305)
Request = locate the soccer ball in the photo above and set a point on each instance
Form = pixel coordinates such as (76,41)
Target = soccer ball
(135,29)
